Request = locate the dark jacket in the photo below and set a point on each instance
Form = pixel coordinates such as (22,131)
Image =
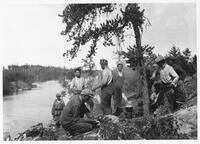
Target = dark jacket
(73,111)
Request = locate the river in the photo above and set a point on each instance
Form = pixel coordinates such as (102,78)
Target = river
(27,108)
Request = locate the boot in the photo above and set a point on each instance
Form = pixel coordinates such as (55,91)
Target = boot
(118,111)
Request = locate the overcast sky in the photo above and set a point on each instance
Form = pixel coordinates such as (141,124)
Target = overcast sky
(31,33)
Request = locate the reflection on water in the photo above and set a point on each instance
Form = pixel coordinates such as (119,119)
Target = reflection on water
(29,107)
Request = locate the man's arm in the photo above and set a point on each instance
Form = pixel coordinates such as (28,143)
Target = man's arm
(84,84)
(154,75)
(72,84)
(123,78)
(75,110)
(90,115)
(174,75)
(63,104)
(104,80)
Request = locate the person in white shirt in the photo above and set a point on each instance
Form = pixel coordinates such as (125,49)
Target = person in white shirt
(118,81)
(169,79)
(78,82)
(106,86)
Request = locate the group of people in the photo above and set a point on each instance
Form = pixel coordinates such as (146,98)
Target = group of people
(167,84)
(71,115)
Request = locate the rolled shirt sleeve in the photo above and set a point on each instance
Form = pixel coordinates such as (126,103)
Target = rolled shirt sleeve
(72,84)
(105,77)
(174,75)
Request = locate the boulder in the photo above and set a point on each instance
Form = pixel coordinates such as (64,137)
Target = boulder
(179,125)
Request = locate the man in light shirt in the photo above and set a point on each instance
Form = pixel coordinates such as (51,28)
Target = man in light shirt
(78,82)
(169,79)
(106,86)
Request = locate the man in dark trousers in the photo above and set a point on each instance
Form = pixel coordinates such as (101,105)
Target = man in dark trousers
(72,118)
(118,81)
(106,86)
(169,79)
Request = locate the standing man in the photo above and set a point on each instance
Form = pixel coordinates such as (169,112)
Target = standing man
(118,82)
(106,86)
(169,79)
(78,84)
(72,118)
(57,108)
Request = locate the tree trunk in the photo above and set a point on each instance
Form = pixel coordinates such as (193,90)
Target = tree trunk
(142,72)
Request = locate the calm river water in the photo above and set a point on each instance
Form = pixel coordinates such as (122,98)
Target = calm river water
(29,107)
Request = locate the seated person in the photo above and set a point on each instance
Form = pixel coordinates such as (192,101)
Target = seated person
(72,118)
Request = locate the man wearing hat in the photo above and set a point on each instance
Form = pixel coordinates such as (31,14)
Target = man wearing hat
(57,108)
(72,117)
(106,86)
(118,81)
(169,79)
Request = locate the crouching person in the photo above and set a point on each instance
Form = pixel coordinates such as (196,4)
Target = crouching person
(72,118)
(57,108)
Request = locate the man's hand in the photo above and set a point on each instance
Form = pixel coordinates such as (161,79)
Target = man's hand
(174,85)
(96,124)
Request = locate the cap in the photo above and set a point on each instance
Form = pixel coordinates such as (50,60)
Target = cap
(63,92)
(87,92)
(103,61)
(119,63)
(154,65)
(159,59)
(58,95)
(77,69)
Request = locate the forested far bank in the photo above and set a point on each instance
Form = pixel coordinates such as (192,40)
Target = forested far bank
(21,77)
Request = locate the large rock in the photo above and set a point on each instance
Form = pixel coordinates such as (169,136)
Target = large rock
(187,121)
(179,125)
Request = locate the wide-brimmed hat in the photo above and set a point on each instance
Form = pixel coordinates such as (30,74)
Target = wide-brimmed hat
(159,59)
(58,95)
(87,92)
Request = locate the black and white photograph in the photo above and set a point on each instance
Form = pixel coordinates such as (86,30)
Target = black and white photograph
(111,70)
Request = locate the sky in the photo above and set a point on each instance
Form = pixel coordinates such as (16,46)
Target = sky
(31,33)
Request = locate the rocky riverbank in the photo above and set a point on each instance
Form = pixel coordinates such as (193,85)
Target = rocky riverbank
(179,125)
